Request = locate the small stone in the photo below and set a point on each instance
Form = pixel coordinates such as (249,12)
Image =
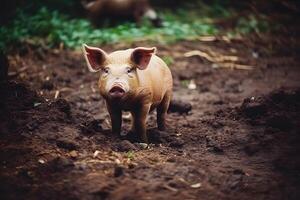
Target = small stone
(118,171)
(177,143)
(217,124)
(216,149)
(26,174)
(36,104)
(47,85)
(73,154)
(41,161)
(239,171)
(63,105)
(81,166)
(192,85)
(196,185)
(96,153)
(253,108)
(125,146)
(132,165)
(255,55)
(172,159)
(142,145)
(61,163)
(215,66)
(180,107)
(66,144)
(91,127)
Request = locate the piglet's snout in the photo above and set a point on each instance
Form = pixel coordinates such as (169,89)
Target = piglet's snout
(116,91)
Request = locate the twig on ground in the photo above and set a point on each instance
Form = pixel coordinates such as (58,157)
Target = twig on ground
(10,74)
(56,94)
(219,60)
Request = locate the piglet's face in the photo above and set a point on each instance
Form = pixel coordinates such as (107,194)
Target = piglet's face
(118,70)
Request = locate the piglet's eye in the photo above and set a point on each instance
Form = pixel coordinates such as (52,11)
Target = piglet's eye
(129,70)
(105,70)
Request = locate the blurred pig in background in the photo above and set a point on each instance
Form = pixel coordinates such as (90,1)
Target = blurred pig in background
(119,9)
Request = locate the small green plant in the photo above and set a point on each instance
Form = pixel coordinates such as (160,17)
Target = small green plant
(168,60)
(130,155)
(185,83)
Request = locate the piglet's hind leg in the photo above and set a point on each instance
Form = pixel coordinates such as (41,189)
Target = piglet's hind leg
(162,109)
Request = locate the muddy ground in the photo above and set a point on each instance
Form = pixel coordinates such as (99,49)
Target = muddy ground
(241,139)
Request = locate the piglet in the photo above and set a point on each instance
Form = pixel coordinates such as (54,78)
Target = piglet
(134,80)
(97,9)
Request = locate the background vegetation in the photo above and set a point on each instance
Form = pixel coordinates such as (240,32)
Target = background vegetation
(63,23)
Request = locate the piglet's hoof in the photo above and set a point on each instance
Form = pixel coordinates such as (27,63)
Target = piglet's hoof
(124,133)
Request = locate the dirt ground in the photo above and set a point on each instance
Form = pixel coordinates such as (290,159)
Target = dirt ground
(240,140)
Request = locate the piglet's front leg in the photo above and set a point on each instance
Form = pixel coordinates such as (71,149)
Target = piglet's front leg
(139,116)
(115,117)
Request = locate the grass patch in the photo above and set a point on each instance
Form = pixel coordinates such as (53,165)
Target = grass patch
(251,24)
(130,155)
(168,60)
(52,28)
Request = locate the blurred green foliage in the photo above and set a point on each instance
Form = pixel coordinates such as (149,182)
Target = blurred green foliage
(52,28)
(251,24)
(168,60)
(184,83)
(56,28)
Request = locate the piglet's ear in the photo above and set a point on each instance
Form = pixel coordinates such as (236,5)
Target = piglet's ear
(141,56)
(94,57)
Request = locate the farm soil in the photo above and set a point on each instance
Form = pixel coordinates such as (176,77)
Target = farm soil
(240,140)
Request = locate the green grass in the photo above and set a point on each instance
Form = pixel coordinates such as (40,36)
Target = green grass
(130,155)
(251,24)
(52,28)
(168,60)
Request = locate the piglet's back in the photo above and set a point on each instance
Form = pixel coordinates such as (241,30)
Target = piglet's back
(157,77)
